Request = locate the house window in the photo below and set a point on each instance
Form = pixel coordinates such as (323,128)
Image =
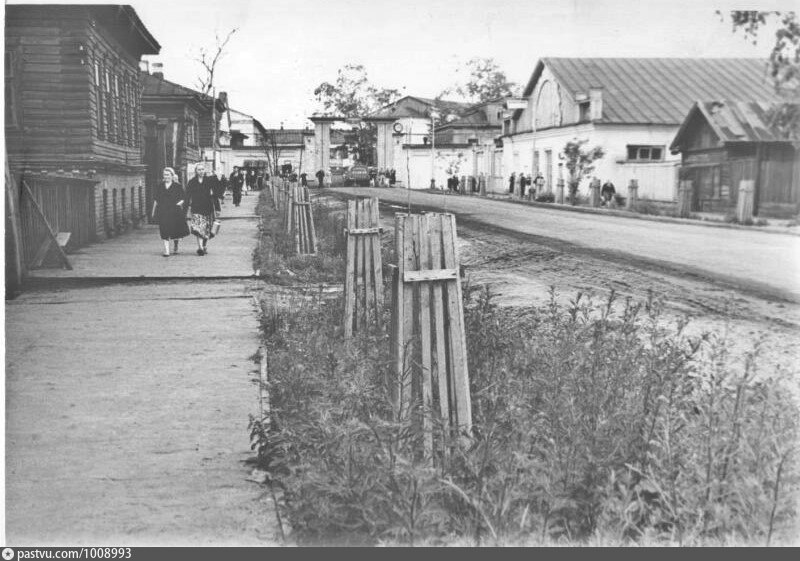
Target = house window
(12,101)
(191,132)
(108,106)
(98,94)
(584,112)
(645,153)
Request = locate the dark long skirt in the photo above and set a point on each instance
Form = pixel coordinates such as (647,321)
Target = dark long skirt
(171,223)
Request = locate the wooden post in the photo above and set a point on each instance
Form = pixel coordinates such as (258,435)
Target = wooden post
(685,191)
(594,193)
(560,191)
(633,195)
(349,279)
(744,204)
(14,262)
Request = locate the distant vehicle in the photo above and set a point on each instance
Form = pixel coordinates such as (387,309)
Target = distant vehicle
(357,175)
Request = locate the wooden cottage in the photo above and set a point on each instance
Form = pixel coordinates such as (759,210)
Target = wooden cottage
(723,142)
(178,125)
(72,118)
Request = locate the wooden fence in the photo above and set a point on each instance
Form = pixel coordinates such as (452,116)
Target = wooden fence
(428,333)
(65,204)
(363,284)
(299,220)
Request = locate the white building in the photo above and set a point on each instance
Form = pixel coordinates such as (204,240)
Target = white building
(631,107)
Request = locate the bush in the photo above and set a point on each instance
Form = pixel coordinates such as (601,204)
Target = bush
(591,422)
(546,198)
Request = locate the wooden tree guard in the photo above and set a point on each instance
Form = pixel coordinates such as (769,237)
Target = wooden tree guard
(299,220)
(363,283)
(428,332)
(263,388)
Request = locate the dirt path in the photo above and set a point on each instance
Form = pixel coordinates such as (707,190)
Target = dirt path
(128,402)
(521,268)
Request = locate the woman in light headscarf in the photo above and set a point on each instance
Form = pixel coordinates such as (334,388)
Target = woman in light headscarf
(169,212)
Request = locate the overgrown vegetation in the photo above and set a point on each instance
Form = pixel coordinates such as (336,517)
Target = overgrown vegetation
(594,423)
(273,256)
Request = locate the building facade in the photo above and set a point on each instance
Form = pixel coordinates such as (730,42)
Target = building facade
(632,108)
(722,143)
(73,104)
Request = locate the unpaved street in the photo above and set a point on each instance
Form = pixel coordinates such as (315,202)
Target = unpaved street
(521,268)
(760,263)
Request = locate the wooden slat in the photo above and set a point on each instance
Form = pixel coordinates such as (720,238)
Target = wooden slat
(296,229)
(359,259)
(458,348)
(411,385)
(430,275)
(264,388)
(363,231)
(438,319)
(369,282)
(349,278)
(377,264)
(312,228)
(423,235)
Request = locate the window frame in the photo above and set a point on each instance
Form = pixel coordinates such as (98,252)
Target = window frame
(645,152)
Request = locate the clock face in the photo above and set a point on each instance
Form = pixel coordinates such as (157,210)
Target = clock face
(397,127)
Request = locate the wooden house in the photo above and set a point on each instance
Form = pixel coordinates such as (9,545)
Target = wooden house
(178,127)
(73,109)
(724,142)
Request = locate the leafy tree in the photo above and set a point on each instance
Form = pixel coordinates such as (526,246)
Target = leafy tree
(352,96)
(579,163)
(784,61)
(485,81)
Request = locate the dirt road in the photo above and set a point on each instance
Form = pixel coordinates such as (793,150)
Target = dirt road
(763,264)
(129,385)
(521,268)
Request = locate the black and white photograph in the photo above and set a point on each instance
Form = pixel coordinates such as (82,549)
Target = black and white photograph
(430,273)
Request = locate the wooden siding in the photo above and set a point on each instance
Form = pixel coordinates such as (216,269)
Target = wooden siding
(55,86)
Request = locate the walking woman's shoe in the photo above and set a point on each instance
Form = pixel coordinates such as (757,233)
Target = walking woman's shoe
(165,254)
(200,251)
(175,247)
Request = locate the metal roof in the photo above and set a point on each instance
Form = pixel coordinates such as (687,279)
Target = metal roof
(399,109)
(659,90)
(732,121)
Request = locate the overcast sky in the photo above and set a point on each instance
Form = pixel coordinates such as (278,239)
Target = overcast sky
(284,48)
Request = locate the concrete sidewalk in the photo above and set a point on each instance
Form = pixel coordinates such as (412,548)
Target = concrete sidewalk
(128,402)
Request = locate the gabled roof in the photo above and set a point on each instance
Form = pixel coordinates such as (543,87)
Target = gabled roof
(658,90)
(399,110)
(732,121)
(159,87)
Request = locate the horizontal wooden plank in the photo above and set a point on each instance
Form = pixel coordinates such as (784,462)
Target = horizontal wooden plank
(430,275)
(362,231)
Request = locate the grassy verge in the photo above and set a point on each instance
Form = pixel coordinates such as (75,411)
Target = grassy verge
(590,427)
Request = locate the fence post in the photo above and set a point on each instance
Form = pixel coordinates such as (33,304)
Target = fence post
(633,194)
(744,203)
(685,190)
(560,191)
(482,186)
(594,193)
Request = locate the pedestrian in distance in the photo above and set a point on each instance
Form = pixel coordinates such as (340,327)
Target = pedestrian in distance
(539,183)
(200,199)
(511,180)
(320,177)
(607,193)
(237,184)
(304,179)
(169,211)
(523,181)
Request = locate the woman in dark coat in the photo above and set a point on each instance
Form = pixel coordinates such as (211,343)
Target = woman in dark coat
(200,199)
(168,211)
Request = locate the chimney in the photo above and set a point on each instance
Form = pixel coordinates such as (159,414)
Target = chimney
(157,70)
(596,103)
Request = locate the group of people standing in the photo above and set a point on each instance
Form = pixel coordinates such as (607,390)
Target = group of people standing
(522,182)
(202,200)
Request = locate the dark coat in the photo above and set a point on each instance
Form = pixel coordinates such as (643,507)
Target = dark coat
(201,196)
(171,216)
